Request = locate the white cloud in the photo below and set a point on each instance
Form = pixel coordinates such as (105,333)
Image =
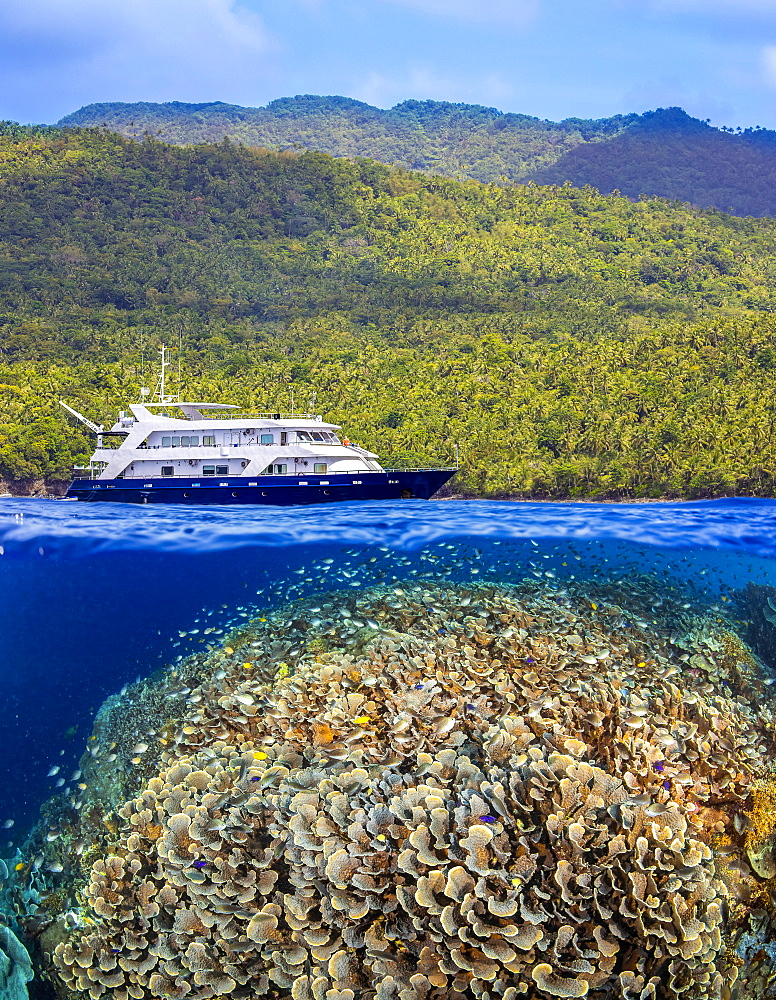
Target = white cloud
(418,82)
(513,12)
(769,64)
(130,49)
(424,84)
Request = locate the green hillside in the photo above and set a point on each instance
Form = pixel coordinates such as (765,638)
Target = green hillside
(571,344)
(671,154)
(455,140)
(665,152)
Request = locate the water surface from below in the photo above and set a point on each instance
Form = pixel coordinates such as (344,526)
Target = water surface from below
(655,618)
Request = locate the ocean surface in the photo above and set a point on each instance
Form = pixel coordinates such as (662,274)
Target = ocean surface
(93,597)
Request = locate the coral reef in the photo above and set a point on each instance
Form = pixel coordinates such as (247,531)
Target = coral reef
(15,966)
(492,792)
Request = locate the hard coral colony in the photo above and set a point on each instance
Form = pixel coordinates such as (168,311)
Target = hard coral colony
(493,792)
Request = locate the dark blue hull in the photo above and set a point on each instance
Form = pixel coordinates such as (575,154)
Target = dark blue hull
(281,491)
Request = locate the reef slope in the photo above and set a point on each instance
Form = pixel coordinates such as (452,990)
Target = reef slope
(491,792)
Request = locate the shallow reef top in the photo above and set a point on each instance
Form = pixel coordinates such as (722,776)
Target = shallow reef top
(411,792)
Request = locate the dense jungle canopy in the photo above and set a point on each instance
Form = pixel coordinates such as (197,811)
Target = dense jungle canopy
(664,152)
(572,344)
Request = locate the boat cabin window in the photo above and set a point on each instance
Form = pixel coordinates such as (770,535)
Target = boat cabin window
(267,438)
(168,470)
(208,470)
(183,441)
(317,436)
(278,469)
(319,467)
(222,470)
(303,436)
(208,440)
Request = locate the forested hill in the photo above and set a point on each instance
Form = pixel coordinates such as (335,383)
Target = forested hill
(664,152)
(571,344)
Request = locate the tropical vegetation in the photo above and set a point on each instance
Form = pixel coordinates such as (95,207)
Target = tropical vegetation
(664,152)
(567,343)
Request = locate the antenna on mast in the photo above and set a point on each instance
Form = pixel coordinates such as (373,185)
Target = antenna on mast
(161,395)
(143,390)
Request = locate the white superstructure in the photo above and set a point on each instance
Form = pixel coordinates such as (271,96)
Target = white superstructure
(205,442)
(197,444)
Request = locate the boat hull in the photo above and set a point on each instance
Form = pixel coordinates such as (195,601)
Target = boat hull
(280,491)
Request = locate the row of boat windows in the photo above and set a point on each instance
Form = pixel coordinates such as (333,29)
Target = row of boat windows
(276,469)
(207,470)
(189,441)
(209,440)
(317,436)
(281,469)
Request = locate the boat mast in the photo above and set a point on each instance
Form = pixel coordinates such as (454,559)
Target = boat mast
(161,396)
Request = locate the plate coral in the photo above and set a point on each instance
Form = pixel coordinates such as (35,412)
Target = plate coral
(491,792)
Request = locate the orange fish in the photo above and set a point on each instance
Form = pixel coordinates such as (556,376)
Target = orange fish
(322,734)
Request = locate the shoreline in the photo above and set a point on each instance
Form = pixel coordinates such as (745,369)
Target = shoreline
(566,500)
(48,495)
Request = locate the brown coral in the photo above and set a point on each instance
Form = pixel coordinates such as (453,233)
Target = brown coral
(511,811)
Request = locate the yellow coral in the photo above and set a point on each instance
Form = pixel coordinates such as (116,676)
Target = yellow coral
(762,814)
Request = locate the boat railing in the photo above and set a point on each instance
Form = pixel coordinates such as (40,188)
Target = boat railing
(240,414)
(284,416)
(422,468)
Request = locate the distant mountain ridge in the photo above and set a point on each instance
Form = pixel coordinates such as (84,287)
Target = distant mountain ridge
(665,152)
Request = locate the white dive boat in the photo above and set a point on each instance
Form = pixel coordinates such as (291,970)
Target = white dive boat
(207,456)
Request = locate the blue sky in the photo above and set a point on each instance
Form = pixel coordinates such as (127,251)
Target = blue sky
(550,58)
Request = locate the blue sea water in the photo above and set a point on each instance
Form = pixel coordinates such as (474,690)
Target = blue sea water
(92,596)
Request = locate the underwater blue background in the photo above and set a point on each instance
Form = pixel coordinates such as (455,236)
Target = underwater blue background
(93,595)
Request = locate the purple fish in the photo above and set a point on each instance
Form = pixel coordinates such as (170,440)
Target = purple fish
(658,766)
(487,819)
(667,785)
(200,864)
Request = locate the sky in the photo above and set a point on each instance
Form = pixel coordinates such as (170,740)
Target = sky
(551,58)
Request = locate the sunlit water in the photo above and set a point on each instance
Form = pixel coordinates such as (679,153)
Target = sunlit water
(93,596)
